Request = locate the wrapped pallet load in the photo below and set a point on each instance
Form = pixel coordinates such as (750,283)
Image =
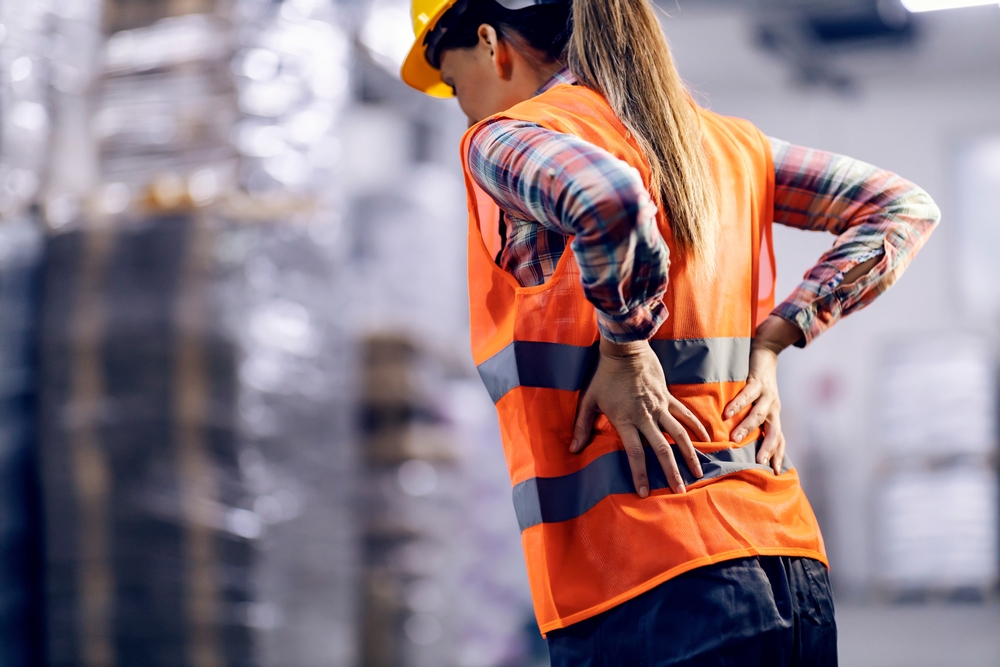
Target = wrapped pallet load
(194,444)
(25,137)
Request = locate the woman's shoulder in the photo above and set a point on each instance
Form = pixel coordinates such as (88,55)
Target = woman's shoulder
(737,130)
(567,108)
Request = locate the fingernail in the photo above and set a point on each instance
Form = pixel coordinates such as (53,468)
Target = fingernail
(681,489)
(739,435)
(572,446)
(643,492)
(698,472)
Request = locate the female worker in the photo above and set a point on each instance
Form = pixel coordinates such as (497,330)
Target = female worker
(634,375)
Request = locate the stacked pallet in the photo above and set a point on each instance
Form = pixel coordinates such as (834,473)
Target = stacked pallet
(138,454)
(409,510)
(20,533)
(25,132)
(194,449)
(936,516)
(444,579)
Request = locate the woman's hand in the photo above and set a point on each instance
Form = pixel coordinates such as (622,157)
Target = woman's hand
(761,390)
(630,390)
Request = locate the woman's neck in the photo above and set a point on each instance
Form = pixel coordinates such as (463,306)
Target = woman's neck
(544,73)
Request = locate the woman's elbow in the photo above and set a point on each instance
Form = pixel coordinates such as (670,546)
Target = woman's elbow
(924,207)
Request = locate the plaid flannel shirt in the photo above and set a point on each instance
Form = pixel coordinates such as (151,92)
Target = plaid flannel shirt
(553,187)
(873,212)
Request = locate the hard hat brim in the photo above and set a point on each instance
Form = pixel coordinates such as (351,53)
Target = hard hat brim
(416,72)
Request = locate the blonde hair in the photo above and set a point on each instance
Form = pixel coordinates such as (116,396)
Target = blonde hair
(618,48)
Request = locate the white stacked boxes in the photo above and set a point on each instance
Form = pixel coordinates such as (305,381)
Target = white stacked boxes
(936,526)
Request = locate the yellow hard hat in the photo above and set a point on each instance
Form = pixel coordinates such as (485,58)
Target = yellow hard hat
(416,71)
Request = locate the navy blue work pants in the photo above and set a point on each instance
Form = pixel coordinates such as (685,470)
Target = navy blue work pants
(768,611)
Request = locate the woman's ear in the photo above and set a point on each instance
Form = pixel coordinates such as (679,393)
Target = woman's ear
(497,49)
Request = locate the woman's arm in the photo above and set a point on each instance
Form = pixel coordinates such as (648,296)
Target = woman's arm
(881,220)
(576,189)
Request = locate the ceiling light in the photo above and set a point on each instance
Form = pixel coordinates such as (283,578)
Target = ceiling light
(934,5)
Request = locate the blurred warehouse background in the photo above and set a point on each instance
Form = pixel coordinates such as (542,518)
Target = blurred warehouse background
(239,423)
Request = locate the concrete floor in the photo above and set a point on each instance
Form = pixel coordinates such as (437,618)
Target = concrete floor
(919,636)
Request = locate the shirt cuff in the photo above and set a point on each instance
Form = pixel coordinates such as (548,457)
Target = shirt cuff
(805,317)
(640,323)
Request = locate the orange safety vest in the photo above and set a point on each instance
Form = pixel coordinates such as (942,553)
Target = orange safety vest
(589,541)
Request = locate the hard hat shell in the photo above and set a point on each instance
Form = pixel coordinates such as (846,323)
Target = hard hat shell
(416,71)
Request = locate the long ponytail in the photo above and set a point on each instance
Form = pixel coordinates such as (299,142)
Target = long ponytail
(618,48)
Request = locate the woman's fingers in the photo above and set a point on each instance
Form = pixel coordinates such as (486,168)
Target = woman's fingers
(772,439)
(779,456)
(756,417)
(750,393)
(636,457)
(676,431)
(586,413)
(681,412)
(665,455)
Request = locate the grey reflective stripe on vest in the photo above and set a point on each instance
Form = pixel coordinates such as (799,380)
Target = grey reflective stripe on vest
(701,360)
(552,499)
(558,366)
(543,365)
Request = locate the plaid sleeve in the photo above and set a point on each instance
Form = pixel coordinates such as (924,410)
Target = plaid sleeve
(575,188)
(874,213)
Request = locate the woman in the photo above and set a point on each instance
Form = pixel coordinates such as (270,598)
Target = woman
(634,376)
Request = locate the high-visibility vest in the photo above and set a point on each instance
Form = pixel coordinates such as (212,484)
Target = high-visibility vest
(590,542)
